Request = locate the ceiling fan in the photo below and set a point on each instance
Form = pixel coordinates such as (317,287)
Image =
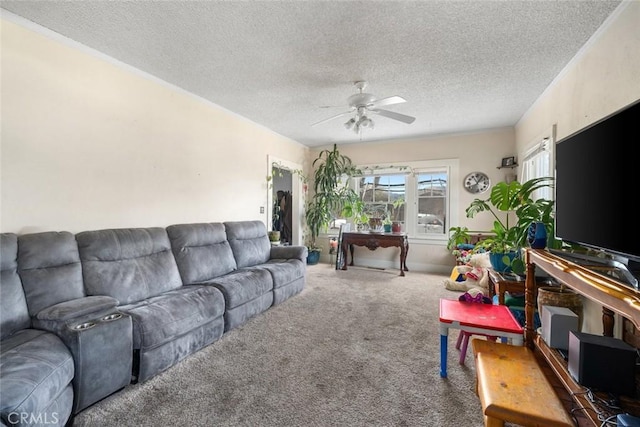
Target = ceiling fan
(362,105)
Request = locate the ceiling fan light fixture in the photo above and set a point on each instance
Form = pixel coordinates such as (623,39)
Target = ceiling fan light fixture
(366,122)
(349,123)
(363,104)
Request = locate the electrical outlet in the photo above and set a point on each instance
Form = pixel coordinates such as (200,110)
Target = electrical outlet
(262,209)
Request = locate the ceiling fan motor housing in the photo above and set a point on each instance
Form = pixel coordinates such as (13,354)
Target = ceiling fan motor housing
(361,100)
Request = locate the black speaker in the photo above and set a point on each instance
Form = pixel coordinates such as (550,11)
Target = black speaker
(602,363)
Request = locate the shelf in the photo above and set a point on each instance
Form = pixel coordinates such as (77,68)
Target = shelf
(508,167)
(614,296)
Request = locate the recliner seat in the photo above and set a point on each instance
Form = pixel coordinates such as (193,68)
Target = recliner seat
(36,368)
(136,267)
(98,336)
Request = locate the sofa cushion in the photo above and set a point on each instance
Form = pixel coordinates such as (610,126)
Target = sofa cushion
(289,252)
(166,317)
(242,286)
(129,264)
(284,272)
(202,251)
(35,367)
(14,314)
(49,266)
(249,242)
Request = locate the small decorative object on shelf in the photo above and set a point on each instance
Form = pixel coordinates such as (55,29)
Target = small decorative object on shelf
(508,162)
(537,235)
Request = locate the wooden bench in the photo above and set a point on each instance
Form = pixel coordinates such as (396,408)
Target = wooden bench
(512,387)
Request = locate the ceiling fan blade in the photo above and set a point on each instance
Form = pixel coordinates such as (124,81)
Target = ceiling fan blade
(390,100)
(396,116)
(332,118)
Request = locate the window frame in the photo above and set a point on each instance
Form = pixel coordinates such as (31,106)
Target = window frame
(411,169)
(537,155)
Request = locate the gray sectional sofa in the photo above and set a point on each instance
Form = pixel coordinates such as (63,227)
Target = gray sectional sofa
(84,315)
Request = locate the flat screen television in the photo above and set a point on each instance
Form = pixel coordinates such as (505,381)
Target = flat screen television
(597,179)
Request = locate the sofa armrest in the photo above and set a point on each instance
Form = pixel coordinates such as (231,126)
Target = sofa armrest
(289,252)
(77,308)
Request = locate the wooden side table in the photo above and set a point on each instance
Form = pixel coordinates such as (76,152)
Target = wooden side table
(374,241)
(498,285)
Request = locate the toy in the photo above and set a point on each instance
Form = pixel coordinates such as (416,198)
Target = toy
(473,276)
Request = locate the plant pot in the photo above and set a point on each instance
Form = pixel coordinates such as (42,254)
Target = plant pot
(387,228)
(375,224)
(560,297)
(537,235)
(396,227)
(498,264)
(313,257)
(274,236)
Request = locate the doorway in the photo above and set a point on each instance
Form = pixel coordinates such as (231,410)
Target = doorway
(282,206)
(284,178)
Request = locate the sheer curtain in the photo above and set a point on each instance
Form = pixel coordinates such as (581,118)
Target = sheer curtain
(537,163)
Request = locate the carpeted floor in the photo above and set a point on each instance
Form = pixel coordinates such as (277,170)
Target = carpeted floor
(355,348)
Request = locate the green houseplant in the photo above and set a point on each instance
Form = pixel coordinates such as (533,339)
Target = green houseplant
(330,192)
(355,209)
(514,211)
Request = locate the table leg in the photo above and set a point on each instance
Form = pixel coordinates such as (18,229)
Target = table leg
(406,254)
(343,249)
(444,337)
(351,250)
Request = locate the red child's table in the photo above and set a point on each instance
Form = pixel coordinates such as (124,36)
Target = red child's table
(487,319)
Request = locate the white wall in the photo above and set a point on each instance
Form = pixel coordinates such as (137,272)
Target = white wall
(88,143)
(601,79)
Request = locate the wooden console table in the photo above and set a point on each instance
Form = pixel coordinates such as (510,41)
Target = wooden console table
(614,296)
(374,241)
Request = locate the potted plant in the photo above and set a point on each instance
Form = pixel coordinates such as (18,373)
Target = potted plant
(386,223)
(458,236)
(396,225)
(355,209)
(514,212)
(330,193)
(274,236)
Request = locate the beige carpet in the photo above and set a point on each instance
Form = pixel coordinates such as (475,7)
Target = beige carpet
(355,348)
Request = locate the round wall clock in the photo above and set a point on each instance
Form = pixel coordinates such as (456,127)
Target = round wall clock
(477,182)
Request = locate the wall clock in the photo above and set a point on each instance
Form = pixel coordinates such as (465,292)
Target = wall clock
(477,182)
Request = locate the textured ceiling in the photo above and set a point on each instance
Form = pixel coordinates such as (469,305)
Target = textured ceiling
(461,65)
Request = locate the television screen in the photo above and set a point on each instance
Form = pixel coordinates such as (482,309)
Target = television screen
(597,179)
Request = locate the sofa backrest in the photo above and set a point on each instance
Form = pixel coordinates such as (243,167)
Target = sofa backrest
(202,251)
(14,314)
(50,269)
(249,242)
(128,264)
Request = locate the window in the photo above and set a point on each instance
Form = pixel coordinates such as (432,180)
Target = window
(538,163)
(432,202)
(415,194)
(384,196)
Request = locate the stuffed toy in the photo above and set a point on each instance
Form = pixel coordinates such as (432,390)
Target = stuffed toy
(473,276)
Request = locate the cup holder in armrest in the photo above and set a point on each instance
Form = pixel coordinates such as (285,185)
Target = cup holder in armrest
(83,326)
(113,316)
